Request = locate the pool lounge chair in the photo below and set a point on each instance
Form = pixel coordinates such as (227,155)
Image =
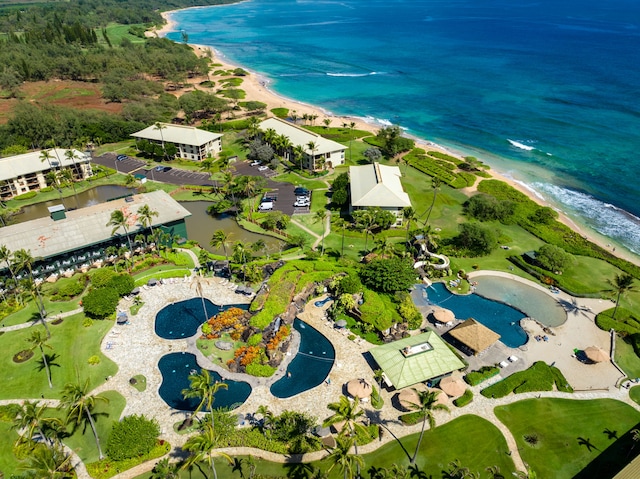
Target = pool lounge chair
(513,359)
(504,364)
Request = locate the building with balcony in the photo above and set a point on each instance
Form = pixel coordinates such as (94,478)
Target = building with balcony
(191,143)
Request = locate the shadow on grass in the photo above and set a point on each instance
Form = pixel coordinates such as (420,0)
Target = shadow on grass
(613,459)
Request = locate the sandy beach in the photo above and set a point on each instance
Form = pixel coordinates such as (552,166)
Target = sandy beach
(256,88)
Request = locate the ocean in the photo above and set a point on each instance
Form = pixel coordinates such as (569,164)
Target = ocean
(546,92)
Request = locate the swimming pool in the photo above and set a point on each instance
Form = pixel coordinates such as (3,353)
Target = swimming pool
(498,317)
(181,319)
(311,365)
(176,368)
(534,303)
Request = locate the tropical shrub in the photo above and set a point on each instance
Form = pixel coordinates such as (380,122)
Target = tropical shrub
(539,377)
(463,400)
(476,377)
(260,370)
(101,277)
(26,196)
(100,303)
(122,283)
(389,275)
(133,436)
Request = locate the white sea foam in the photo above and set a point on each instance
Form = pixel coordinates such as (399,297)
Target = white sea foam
(607,219)
(522,146)
(355,75)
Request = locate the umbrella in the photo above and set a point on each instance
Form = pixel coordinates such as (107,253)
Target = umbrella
(360,388)
(338,426)
(453,386)
(443,315)
(409,399)
(341,323)
(152,282)
(596,354)
(135,291)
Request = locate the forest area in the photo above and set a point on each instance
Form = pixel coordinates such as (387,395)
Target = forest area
(76,42)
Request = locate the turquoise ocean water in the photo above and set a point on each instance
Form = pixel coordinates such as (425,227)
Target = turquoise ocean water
(546,92)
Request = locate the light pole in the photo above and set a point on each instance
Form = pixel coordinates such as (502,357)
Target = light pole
(116,163)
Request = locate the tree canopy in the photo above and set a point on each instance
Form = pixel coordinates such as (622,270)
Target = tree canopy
(389,275)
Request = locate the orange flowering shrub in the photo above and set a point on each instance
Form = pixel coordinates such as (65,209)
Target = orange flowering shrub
(280,336)
(247,354)
(225,319)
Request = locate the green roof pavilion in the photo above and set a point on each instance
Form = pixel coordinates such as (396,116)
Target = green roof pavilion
(416,359)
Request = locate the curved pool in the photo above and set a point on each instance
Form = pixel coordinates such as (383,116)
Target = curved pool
(181,319)
(311,365)
(499,317)
(534,303)
(176,368)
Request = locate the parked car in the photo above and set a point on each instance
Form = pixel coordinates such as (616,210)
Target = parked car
(266,206)
(121,157)
(263,168)
(256,163)
(159,168)
(300,191)
(302,203)
(269,198)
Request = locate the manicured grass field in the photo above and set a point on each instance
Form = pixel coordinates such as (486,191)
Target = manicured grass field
(627,358)
(73,344)
(474,441)
(298,180)
(634,393)
(30,311)
(571,434)
(8,462)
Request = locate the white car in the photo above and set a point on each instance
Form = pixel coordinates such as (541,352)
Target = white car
(263,168)
(256,163)
(266,206)
(302,203)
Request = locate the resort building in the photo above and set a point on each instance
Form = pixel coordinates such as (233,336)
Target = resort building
(415,359)
(472,337)
(76,240)
(191,143)
(325,154)
(38,169)
(377,185)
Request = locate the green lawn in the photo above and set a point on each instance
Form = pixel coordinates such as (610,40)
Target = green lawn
(8,462)
(116,32)
(298,180)
(634,394)
(161,272)
(474,441)
(627,358)
(310,222)
(30,311)
(571,434)
(73,344)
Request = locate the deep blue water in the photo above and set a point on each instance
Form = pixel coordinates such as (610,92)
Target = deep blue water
(311,365)
(560,78)
(176,368)
(496,316)
(181,320)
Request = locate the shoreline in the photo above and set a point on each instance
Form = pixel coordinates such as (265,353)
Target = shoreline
(256,87)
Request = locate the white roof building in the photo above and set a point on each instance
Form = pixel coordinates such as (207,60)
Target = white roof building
(377,185)
(27,172)
(330,151)
(192,143)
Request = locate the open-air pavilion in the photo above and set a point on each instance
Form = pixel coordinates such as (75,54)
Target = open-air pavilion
(415,359)
(473,337)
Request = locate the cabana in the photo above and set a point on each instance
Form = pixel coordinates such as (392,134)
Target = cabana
(472,337)
(415,359)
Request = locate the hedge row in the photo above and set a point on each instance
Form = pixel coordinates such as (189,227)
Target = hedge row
(431,168)
(539,377)
(476,377)
(625,322)
(444,156)
(463,400)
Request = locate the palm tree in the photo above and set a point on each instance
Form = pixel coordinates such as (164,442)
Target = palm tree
(425,406)
(120,220)
(321,217)
(351,126)
(259,245)
(495,473)
(350,413)
(160,126)
(78,403)
(31,419)
(341,224)
(46,463)
(367,221)
(298,154)
(197,282)
(408,215)
(202,386)
(436,183)
(45,155)
(6,255)
(340,456)
(251,187)
(240,254)
(621,284)
(39,341)
(201,448)
(71,155)
(146,214)
(23,260)
(327,122)
(313,147)
(221,239)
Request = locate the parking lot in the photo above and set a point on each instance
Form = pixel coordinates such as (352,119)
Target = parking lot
(282,194)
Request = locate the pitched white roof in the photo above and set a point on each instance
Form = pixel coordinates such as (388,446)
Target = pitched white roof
(45,237)
(27,163)
(377,185)
(301,137)
(187,135)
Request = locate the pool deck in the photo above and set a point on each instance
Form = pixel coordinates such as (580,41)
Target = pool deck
(136,349)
